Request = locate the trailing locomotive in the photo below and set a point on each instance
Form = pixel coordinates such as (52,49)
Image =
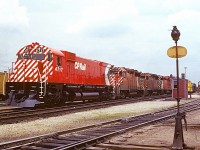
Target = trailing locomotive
(44,75)
(132,83)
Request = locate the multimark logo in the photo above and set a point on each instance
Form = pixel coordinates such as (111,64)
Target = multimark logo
(80,66)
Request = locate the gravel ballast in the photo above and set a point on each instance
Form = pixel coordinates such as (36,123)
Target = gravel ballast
(53,124)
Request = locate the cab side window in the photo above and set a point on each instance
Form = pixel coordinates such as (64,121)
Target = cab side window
(20,56)
(124,74)
(175,84)
(58,61)
(120,73)
(49,56)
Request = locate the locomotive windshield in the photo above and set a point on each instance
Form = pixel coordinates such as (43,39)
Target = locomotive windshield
(38,56)
(31,56)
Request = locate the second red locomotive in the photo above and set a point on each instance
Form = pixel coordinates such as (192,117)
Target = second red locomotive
(131,83)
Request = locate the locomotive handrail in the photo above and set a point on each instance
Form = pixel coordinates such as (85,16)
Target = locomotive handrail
(45,83)
(8,74)
(38,71)
(10,71)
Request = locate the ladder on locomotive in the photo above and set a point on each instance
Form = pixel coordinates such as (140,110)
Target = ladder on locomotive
(42,85)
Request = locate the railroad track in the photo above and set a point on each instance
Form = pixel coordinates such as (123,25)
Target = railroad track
(89,136)
(2,103)
(20,114)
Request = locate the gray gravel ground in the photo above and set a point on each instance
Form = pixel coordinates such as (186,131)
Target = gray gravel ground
(52,124)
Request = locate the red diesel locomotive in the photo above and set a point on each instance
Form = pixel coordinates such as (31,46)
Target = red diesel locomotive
(45,75)
(42,74)
(131,83)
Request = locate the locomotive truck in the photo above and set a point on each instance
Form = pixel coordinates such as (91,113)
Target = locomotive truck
(45,75)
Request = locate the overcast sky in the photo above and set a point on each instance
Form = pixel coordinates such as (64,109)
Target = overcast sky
(127,33)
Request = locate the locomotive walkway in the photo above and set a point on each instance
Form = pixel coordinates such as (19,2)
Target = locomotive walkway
(89,136)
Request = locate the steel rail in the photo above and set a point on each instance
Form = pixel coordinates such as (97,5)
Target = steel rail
(20,114)
(91,135)
(96,140)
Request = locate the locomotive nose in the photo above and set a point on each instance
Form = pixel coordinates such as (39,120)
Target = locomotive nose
(30,70)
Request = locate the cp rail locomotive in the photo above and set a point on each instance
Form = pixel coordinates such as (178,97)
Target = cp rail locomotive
(45,75)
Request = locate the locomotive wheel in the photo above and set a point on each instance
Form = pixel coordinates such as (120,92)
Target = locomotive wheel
(62,101)
(50,100)
(123,95)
